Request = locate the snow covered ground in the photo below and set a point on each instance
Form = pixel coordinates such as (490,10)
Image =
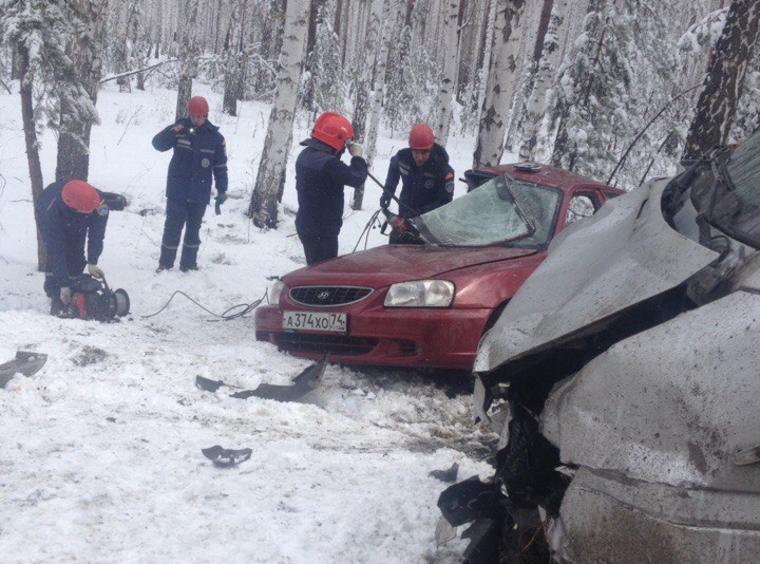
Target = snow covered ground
(100,456)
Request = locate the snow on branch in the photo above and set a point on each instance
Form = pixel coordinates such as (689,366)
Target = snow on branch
(704,34)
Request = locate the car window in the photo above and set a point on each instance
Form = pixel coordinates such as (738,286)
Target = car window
(488,216)
(581,206)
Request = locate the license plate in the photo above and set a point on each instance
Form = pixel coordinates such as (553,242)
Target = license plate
(315,321)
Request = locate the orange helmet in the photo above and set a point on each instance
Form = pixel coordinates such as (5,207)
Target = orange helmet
(197,106)
(80,196)
(332,129)
(421,137)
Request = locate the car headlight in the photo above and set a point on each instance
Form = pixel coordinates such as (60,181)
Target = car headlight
(420,293)
(275,291)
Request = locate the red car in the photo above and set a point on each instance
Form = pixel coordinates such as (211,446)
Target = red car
(427,305)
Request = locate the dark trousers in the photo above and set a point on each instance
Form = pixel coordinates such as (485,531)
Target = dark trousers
(75,263)
(318,247)
(178,215)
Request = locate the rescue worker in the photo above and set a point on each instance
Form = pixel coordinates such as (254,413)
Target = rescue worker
(427,179)
(320,178)
(199,150)
(69,213)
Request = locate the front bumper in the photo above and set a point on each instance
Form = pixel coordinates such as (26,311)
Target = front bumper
(606,517)
(408,337)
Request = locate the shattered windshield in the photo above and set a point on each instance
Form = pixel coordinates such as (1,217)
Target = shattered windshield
(732,199)
(499,211)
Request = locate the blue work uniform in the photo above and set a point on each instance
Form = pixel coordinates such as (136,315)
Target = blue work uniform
(64,232)
(320,179)
(199,153)
(423,188)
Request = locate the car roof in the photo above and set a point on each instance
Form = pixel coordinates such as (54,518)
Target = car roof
(546,175)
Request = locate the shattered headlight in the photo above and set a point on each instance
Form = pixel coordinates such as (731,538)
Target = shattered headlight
(275,292)
(420,293)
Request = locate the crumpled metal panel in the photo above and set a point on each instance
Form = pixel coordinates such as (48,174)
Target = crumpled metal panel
(672,405)
(608,519)
(621,256)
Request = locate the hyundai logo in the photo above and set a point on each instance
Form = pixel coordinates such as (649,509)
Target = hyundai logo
(323,295)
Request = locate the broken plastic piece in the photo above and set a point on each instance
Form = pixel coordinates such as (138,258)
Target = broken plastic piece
(225,458)
(26,363)
(302,384)
(448,476)
(208,385)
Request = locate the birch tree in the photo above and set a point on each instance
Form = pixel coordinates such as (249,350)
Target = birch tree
(501,77)
(448,77)
(364,84)
(724,80)
(390,15)
(78,84)
(189,51)
(233,45)
(547,68)
(271,173)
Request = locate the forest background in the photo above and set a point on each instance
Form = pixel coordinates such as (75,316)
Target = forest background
(619,90)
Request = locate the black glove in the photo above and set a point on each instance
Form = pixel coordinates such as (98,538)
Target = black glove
(385,200)
(218,201)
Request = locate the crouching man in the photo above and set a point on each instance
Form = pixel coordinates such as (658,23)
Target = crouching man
(70,214)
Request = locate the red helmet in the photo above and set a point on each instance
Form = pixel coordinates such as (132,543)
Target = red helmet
(197,106)
(332,129)
(421,137)
(80,196)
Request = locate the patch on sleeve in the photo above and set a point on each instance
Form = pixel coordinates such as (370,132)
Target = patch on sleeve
(102,209)
(450,186)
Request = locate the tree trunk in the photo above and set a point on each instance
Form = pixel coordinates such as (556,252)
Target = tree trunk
(15,71)
(484,59)
(32,146)
(189,53)
(448,80)
(263,206)
(547,69)
(233,46)
(501,77)
(532,48)
(362,100)
(79,91)
(390,10)
(725,76)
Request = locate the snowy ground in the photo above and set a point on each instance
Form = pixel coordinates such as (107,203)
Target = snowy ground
(100,456)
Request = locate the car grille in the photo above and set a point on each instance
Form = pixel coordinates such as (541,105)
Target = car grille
(328,295)
(313,343)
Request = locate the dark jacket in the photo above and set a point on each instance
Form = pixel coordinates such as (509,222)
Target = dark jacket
(320,178)
(64,231)
(422,188)
(197,152)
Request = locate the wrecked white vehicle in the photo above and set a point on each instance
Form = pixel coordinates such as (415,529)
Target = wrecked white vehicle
(631,372)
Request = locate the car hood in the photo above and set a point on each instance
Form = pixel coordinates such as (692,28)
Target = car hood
(621,256)
(398,263)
